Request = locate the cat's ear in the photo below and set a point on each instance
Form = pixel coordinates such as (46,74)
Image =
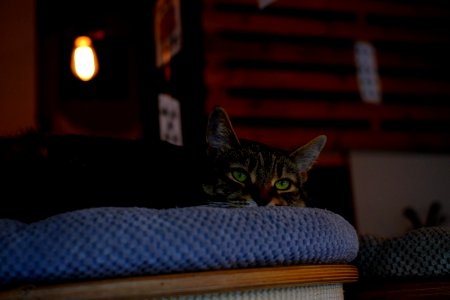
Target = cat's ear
(306,155)
(220,135)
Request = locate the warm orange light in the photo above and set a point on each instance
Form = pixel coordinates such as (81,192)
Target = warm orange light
(84,63)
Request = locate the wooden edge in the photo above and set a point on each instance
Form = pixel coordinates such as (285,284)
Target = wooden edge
(189,283)
(401,288)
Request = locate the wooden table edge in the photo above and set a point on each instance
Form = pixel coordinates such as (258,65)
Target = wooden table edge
(143,287)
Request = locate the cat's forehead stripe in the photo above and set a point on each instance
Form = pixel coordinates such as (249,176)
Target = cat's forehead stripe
(261,160)
(280,170)
(252,163)
(273,163)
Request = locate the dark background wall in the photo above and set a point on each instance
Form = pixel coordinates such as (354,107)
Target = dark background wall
(285,74)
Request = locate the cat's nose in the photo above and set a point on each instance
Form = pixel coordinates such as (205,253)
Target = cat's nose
(264,196)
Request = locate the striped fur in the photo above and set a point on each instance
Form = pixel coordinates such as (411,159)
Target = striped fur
(247,173)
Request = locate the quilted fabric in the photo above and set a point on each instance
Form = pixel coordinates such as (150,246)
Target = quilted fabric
(423,252)
(113,242)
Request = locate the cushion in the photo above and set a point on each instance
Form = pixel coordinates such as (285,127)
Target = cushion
(419,253)
(129,241)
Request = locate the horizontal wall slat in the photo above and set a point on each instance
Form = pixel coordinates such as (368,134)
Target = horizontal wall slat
(373,6)
(220,51)
(265,79)
(343,140)
(297,55)
(291,109)
(217,22)
(280,79)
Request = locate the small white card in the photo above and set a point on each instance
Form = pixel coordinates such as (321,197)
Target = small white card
(170,120)
(367,72)
(264,3)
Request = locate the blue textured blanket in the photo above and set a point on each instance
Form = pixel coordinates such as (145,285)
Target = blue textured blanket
(117,242)
(419,253)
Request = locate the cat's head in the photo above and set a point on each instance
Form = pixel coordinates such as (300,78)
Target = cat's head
(247,173)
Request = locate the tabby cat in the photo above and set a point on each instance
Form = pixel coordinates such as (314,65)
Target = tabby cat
(246,173)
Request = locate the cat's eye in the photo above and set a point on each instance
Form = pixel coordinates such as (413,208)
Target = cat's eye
(283,184)
(239,175)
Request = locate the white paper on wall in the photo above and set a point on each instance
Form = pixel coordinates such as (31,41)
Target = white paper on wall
(367,72)
(170,120)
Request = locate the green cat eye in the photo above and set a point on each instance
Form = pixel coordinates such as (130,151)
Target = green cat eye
(239,175)
(282,184)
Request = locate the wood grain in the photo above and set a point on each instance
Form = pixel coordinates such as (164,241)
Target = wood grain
(188,283)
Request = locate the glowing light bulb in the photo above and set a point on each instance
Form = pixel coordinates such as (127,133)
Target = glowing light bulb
(84,63)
